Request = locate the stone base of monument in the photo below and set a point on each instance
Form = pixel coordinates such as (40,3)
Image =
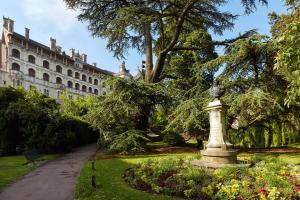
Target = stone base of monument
(217,158)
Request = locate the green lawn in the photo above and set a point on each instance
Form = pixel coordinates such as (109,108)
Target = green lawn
(112,187)
(12,167)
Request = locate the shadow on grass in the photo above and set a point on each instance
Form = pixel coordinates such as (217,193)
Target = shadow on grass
(110,182)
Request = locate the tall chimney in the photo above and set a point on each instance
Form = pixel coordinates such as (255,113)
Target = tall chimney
(27,33)
(8,24)
(53,44)
(84,57)
(72,53)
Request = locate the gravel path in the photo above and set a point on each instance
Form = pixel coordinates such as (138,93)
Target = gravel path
(54,180)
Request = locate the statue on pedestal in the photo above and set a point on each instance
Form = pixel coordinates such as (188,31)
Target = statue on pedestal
(218,151)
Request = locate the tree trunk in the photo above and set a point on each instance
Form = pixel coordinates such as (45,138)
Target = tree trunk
(148,51)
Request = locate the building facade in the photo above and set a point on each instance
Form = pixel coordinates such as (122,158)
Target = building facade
(27,63)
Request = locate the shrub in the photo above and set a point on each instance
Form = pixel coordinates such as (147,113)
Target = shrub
(268,179)
(172,138)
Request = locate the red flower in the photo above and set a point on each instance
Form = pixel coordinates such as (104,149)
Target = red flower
(264,192)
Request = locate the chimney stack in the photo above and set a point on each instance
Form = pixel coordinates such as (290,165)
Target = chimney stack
(8,24)
(27,33)
(84,57)
(72,53)
(95,64)
(53,44)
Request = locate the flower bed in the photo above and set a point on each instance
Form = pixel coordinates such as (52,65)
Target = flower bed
(266,179)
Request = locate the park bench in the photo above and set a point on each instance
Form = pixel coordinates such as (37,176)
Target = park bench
(31,156)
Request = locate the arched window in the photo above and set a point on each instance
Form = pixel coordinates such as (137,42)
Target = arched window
(70,73)
(70,84)
(77,75)
(90,80)
(96,92)
(46,64)
(15,66)
(46,77)
(58,69)
(77,86)
(31,59)
(83,77)
(16,53)
(95,81)
(83,88)
(31,72)
(58,80)
(90,90)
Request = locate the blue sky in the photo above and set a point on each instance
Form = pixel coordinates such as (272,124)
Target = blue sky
(50,18)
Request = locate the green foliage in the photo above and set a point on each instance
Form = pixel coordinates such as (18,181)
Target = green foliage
(288,60)
(33,121)
(128,106)
(172,138)
(267,179)
(131,141)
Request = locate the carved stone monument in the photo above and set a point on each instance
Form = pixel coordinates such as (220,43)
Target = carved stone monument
(218,151)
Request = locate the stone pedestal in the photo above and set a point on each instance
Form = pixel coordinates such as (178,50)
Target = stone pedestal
(218,151)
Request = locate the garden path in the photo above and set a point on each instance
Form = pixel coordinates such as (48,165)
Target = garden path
(55,180)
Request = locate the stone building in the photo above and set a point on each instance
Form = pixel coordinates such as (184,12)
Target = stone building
(25,62)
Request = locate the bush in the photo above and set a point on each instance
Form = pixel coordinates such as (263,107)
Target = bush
(172,138)
(268,179)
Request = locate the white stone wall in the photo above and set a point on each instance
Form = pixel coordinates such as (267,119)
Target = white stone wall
(12,77)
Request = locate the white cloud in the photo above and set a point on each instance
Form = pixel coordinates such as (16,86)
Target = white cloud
(52,12)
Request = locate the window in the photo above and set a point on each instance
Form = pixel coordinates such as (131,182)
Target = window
(31,72)
(95,81)
(31,59)
(16,53)
(83,77)
(58,80)
(77,86)
(58,93)
(70,84)
(77,75)
(70,96)
(46,92)
(15,66)
(70,73)
(90,90)
(46,64)
(83,88)
(19,83)
(96,92)
(90,80)
(58,69)
(46,77)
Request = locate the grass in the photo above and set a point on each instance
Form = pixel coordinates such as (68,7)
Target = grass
(110,183)
(109,171)
(12,167)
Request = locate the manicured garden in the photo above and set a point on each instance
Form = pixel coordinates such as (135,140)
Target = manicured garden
(153,173)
